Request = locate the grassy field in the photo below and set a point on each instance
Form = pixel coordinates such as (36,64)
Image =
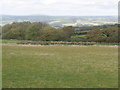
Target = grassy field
(60,66)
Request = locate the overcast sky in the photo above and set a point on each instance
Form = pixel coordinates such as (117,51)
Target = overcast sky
(60,7)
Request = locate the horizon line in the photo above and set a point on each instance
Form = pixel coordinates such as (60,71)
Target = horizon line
(52,15)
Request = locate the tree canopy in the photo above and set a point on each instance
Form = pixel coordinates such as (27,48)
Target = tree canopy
(40,31)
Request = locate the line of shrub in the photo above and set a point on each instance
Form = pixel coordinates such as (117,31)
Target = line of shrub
(63,43)
(56,43)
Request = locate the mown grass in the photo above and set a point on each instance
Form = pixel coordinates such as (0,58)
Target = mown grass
(59,66)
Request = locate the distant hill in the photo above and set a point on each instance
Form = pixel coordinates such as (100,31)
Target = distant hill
(60,21)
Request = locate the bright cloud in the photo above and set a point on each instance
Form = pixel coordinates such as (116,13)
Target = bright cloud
(60,7)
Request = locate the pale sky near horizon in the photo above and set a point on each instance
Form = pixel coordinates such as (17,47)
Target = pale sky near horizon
(60,7)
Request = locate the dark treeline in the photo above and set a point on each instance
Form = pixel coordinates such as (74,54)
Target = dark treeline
(104,34)
(39,31)
(35,31)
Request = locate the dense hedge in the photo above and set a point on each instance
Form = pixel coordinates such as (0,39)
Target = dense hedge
(56,43)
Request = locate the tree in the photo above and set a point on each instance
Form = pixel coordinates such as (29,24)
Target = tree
(52,34)
(68,31)
(34,31)
(109,34)
(15,30)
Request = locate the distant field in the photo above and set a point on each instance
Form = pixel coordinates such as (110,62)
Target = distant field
(78,36)
(60,66)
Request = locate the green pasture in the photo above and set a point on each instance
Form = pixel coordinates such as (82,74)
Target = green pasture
(26,66)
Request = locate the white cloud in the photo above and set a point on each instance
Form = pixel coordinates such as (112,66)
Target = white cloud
(60,7)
